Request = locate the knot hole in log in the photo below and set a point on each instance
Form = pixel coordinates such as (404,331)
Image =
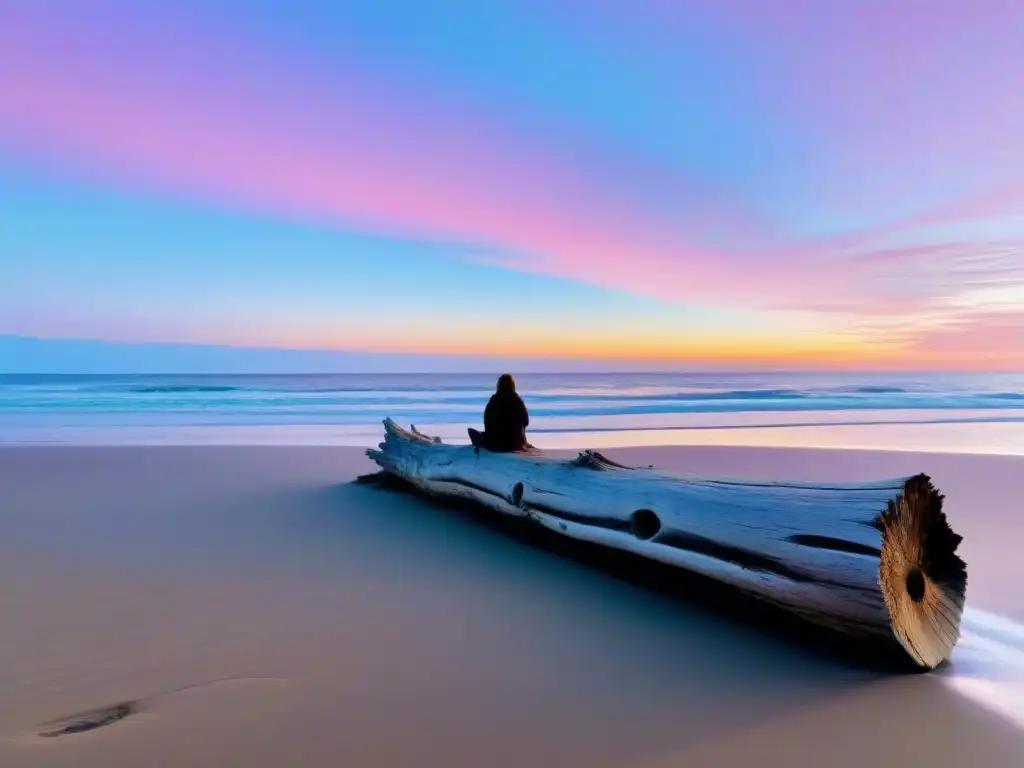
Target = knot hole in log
(644,524)
(915,585)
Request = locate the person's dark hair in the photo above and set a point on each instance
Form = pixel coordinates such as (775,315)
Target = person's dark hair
(506,383)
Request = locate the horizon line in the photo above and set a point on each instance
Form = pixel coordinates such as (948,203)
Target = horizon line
(641,372)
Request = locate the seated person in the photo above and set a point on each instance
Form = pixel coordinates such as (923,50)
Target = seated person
(505,420)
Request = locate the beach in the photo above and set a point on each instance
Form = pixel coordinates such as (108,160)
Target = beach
(257,259)
(253,607)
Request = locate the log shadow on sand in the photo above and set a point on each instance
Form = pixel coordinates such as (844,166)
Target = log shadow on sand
(695,591)
(618,639)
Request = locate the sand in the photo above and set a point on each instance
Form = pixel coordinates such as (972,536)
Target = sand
(253,609)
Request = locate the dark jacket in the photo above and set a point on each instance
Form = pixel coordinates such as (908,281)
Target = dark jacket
(505,422)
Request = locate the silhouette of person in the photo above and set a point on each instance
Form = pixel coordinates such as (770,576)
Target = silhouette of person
(505,420)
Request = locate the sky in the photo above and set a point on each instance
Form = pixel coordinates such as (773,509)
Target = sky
(629,183)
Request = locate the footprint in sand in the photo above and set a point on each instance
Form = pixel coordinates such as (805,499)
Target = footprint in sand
(90,720)
(87,721)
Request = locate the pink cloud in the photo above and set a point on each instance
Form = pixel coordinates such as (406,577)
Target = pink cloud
(892,100)
(224,119)
(176,107)
(231,125)
(986,342)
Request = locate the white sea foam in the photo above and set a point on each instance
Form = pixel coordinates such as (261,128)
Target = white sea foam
(988,663)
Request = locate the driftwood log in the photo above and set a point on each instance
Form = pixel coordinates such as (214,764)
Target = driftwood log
(875,561)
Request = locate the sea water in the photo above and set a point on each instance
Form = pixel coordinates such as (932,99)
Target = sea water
(979,413)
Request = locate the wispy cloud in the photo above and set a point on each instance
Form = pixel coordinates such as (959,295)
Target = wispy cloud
(879,202)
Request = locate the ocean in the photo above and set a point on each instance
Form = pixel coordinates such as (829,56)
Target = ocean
(975,413)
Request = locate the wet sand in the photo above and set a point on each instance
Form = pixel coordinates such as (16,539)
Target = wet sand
(248,606)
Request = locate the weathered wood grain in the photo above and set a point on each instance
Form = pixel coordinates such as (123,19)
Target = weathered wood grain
(874,560)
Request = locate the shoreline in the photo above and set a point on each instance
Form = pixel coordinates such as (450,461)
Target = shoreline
(335,623)
(989,438)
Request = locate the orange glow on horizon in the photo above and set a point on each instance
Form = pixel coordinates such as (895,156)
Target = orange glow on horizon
(779,349)
(636,351)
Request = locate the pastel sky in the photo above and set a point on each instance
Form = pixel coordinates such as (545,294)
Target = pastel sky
(781,183)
